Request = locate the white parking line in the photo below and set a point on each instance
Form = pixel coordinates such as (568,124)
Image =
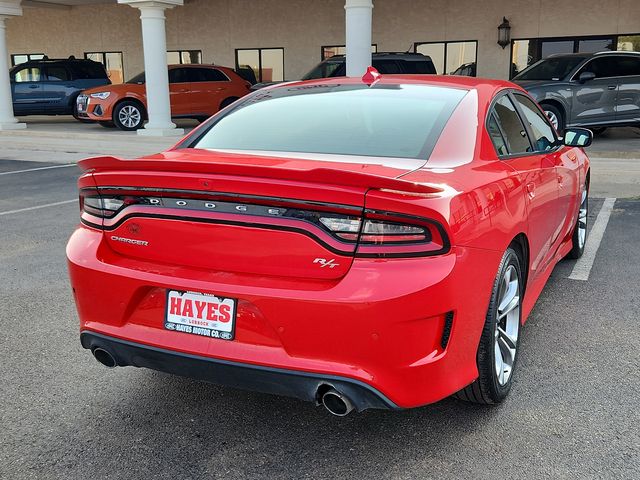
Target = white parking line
(38,207)
(582,268)
(38,168)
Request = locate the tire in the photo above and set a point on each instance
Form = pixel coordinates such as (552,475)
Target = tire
(579,236)
(107,124)
(227,101)
(500,336)
(128,115)
(598,130)
(556,116)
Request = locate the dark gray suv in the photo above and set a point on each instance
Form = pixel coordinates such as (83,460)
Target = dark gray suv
(595,90)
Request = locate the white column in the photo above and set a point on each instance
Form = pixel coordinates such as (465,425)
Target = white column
(154,42)
(358,27)
(7,120)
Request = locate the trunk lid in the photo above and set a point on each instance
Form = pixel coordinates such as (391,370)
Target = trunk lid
(226,211)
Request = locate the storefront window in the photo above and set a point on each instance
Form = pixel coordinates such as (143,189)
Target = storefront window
(331,50)
(18,58)
(451,58)
(180,57)
(113,64)
(267,63)
(629,43)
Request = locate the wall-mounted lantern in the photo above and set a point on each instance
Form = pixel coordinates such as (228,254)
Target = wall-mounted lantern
(504,33)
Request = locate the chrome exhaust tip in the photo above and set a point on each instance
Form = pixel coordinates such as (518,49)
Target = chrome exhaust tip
(104,357)
(336,403)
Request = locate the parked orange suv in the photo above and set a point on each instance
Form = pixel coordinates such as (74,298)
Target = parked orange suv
(195,91)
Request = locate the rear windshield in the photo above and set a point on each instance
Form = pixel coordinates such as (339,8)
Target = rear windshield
(554,68)
(402,121)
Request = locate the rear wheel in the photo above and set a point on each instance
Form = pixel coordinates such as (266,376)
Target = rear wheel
(128,115)
(556,117)
(598,130)
(497,352)
(579,237)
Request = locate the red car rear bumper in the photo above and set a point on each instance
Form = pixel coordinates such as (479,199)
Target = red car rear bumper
(381,330)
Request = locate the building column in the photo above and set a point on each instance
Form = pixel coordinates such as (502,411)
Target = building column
(154,42)
(358,27)
(8,9)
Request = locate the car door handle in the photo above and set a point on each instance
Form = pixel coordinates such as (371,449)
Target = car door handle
(612,87)
(33,86)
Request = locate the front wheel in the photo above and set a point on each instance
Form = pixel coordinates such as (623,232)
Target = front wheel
(556,117)
(579,237)
(128,115)
(497,352)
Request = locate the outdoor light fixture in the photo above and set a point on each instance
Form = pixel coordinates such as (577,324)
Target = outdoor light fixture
(504,33)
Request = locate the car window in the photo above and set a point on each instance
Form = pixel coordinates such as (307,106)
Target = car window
(57,74)
(602,67)
(401,121)
(541,129)
(628,66)
(28,74)
(554,68)
(515,134)
(325,70)
(387,67)
(496,135)
(206,75)
(420,67)
(178,75)
(88,69)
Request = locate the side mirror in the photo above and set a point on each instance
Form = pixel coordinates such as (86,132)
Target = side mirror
(586,77)
(577,137)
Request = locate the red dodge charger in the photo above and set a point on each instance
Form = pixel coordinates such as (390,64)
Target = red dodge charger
(358,243)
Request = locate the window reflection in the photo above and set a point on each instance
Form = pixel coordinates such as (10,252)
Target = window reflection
(451,58)
(180,57)
(113,64)
(267,64)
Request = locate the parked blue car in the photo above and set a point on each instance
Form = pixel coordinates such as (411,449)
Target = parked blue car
(50,87)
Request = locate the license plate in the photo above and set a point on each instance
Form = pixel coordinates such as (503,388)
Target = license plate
(200,314)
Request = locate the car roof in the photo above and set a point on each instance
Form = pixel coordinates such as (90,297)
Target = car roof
(594,54)
(403,55)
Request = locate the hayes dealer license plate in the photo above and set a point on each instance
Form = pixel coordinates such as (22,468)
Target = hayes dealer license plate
(201,314)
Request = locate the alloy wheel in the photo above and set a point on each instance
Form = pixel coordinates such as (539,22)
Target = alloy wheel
(507,325)
(129,116)
(553,118)
(582,218)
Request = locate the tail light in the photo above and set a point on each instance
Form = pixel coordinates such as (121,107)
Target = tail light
(388,234)
(385,234)
(106,206)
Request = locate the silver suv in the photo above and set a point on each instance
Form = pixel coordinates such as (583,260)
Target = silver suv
(595,90)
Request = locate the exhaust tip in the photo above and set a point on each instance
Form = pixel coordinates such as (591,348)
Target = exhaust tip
(336,403)
(104,357)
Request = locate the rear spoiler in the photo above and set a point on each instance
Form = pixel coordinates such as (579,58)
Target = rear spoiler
(314,175)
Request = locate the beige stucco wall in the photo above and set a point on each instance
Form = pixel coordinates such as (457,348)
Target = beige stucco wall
(301,27)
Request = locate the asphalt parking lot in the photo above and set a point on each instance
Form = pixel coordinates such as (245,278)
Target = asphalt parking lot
(573,413)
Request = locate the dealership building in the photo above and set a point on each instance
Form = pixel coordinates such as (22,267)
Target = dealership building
(283,39)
